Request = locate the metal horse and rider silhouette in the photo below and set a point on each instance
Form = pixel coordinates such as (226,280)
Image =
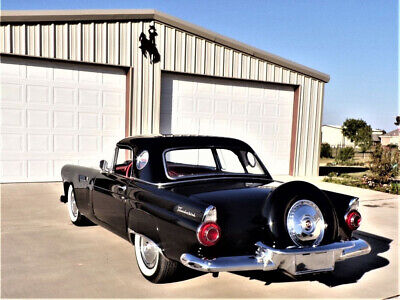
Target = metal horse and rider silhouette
(148,45)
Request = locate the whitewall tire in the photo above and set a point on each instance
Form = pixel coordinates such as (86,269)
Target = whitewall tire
(74,215)
(153,265)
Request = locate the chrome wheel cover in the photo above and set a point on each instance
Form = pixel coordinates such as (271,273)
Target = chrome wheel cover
(305,223)
(148,252)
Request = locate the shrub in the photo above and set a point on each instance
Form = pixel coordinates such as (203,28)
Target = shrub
(385,164)
(326,150)
(345,154)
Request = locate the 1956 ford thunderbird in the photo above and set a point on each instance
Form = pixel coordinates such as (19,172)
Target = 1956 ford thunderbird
(210,204)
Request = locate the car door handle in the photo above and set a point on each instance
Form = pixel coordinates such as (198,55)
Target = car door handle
(121,188)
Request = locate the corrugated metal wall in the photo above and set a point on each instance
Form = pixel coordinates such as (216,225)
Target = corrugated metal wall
(117,43)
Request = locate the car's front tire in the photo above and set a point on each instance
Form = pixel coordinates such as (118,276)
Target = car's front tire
(75,216)
(153,265)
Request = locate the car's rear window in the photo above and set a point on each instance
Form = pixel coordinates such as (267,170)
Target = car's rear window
(206,161)
(189,162)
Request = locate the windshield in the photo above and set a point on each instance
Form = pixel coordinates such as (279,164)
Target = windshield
(210,161)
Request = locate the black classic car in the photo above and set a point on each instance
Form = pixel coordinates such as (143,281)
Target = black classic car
(210,204)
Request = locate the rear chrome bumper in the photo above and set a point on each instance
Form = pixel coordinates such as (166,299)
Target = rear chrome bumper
(295,261)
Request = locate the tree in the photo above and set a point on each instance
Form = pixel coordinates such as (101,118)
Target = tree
(364,138)
(359,132)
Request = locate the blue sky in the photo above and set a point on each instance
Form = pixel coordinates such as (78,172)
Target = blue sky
(355,42)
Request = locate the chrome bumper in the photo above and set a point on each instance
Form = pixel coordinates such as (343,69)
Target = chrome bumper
(295,261)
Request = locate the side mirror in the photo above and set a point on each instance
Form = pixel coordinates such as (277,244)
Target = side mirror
(104,165)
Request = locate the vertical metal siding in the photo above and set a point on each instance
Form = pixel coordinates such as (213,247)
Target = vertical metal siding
(18,34)
(262,71)
(112,56)
(33,40)
(117,43)
(125,49)
(254,64)
(88,42)
(5,38)
(75,41)
(219,61)
(61,47)
(237,64)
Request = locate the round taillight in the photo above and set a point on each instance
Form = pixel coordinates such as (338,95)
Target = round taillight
(353,220)
(208,234)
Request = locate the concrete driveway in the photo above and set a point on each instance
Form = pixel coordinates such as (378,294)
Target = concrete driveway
(44,255)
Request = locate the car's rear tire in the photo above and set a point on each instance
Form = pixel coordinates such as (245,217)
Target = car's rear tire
(153,265)
(74,215)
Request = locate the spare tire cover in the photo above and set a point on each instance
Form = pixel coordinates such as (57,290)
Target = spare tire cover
(307,199)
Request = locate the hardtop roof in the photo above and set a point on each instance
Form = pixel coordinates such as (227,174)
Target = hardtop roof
(178,141)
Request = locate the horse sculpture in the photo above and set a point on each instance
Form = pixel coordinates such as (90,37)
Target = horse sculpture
(149,45)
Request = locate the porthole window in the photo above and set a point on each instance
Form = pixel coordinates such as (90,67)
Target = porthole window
(142,160)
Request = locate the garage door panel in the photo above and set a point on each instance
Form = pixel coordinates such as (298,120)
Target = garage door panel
(90,77)
(65,143)
(39,119)
(112,121)
(113,80)
(65,75)
(113,100)
(64,96)
(40,169)
(37,73)
(57,113)
(89,143)
(13,169)
(39,143)
(89,121)
(65,120)
(260,114)
(38,94)
(12,92)
(89,98)
(12,142)
(12,118)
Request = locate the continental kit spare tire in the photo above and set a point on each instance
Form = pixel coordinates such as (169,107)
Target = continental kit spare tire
(300,214)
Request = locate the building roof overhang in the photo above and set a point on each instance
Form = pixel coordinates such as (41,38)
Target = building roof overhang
(39,16)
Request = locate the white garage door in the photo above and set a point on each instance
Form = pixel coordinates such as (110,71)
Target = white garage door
(258,113)
(57,113)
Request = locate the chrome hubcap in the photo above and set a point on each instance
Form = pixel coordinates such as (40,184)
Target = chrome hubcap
(149,252)
(305,223)
(74,208)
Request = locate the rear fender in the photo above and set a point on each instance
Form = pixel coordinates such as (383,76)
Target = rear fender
(142,222)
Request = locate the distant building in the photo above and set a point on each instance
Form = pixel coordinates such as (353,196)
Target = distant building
(392,137)
(332,134)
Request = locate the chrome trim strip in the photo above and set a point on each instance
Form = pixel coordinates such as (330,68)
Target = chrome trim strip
(216,165)
(295,261)
(164,184)
(353,205)
(211,178)
(206,213)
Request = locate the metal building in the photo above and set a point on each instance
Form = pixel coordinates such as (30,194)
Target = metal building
(74,82)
